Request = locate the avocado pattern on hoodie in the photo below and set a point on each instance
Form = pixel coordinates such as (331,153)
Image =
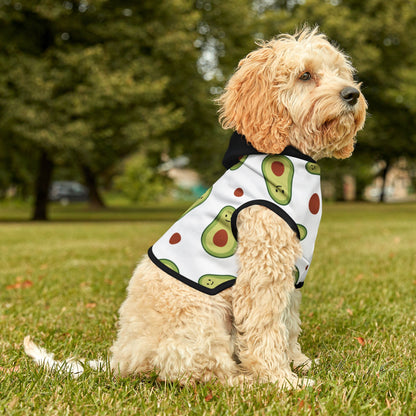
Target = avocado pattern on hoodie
(200,248)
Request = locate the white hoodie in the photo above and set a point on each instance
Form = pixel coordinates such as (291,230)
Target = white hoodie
(200,248)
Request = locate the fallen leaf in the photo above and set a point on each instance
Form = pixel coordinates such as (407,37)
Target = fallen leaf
(10,287)
(301,404)
(91,305)
(209,396)
(20,285)
(350,312)
(361,341)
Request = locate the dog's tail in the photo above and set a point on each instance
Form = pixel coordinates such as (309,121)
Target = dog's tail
(71,365)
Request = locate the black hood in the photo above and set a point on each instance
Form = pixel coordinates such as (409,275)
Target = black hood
(239,147)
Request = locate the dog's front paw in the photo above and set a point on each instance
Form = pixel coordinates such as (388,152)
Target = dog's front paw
(307,382)
(297,383)
(303,364)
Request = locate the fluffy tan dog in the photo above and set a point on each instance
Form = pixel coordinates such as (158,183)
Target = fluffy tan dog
(293,91)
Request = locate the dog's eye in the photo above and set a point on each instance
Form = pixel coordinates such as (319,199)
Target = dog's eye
(306,76)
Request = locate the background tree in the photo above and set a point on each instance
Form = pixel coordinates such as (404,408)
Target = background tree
(80,83)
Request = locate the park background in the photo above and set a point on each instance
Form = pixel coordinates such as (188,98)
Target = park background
(119,96)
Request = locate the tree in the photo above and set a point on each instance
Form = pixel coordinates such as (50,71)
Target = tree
(82,84)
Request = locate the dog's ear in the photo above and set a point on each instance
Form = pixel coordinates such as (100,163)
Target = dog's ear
(251,104)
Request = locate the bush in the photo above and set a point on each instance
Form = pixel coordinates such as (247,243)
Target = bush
(140,181)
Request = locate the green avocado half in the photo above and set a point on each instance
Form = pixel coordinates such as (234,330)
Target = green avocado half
(296,274)
(211,281)
(218,239)
(278,172)
(170,264)
(303,232)
(313,168)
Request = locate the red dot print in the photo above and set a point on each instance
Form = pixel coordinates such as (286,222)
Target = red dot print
(314,204)
(175,238)
(238,192)
(307,267)
(220,238)
(278,168)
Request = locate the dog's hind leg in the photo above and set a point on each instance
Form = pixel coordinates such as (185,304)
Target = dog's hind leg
(267,252)
(300,360)
(171,328)
(198,349)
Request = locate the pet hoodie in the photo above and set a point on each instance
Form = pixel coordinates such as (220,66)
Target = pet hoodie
(200,248)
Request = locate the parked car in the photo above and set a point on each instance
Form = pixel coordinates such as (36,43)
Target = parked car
(68,191)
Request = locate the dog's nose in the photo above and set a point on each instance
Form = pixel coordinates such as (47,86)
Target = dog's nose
(350,95)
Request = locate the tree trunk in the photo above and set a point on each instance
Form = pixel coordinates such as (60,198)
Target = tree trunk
(42,185)
(384,177)
(95,199)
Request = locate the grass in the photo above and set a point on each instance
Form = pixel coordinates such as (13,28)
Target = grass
(62,282)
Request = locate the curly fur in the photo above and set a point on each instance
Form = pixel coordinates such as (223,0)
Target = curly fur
(266,102)
(250,331)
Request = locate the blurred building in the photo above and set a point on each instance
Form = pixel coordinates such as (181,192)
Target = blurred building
(398,186)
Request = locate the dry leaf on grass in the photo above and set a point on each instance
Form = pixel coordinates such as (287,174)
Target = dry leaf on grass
(91,305)
(361,341)
(209,396)
(20,284)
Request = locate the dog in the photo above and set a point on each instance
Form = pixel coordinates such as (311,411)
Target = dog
(217,297)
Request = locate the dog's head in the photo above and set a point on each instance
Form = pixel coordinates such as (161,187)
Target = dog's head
(295,90)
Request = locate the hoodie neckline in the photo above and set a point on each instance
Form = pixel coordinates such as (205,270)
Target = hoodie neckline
(239,146)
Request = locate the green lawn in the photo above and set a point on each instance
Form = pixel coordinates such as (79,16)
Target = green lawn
(62,282)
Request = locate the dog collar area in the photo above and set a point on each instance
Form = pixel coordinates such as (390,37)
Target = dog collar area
(239,146)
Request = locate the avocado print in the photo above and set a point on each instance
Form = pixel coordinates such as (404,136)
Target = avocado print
(278,172)
(218,239)
(242,159)
(213,280)
(303,232)
(170,264)
(296,274)
(199,201)
(313,168)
